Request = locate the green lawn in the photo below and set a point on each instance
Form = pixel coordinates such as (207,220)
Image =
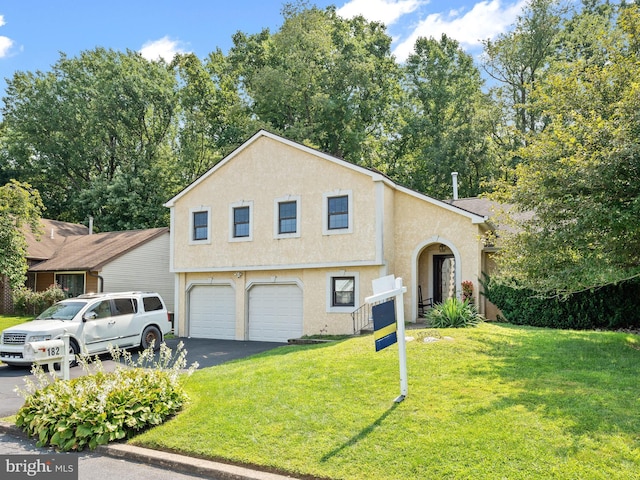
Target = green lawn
(7,321)
(493,402)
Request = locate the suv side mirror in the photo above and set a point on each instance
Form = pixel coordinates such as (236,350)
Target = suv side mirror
(89,316)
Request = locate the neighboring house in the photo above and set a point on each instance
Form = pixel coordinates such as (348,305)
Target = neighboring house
(82,262)
(279,240)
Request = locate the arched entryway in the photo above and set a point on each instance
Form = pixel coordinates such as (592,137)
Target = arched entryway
(437,267)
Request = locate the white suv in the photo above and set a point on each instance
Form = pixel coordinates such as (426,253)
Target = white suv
(93,321)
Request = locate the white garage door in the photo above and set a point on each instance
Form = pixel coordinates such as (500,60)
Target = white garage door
(275,313)
(212,312)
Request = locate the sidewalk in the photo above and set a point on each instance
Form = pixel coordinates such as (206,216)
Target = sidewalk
(170,461)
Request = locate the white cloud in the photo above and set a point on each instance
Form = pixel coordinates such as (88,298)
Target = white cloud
(164,48)
(486,19)
(5,45)
(5,42)
(385,11)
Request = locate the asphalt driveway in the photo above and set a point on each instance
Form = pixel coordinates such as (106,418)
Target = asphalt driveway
(206,352)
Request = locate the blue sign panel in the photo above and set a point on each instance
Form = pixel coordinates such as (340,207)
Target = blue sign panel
(384,324)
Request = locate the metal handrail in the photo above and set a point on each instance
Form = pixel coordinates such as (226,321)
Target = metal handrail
(363,318)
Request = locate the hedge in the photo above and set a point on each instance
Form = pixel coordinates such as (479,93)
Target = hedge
(611,307)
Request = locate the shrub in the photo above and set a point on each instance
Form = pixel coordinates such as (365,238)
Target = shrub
(610,307)
(453,313)
(101,407)
(28,302)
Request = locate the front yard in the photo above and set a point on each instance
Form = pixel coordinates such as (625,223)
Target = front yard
(497,401)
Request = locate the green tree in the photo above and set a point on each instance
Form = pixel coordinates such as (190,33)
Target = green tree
(446,122)
(91,135)
(576,202)
(212,119)
(20,208)
(321,79)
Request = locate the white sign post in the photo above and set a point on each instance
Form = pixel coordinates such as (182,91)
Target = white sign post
(383,289)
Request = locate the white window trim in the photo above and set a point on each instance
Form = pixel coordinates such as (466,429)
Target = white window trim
(329,292)
(276,216)
(232,206)
(325,212)
(196,210)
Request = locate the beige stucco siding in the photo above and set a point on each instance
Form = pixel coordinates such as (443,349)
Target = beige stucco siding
(419,225)
(314,283)
(262,173)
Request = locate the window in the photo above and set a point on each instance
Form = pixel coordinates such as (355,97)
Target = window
(287,217)
(343,291)
(337,212)
(241,222)
(152,303)
(125,306)
(102,309)
(72,284)
(200,225)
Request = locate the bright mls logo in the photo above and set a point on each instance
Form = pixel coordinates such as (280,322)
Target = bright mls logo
(51,467)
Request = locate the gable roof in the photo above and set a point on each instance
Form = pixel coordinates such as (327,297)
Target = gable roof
(374,174)
(92,252)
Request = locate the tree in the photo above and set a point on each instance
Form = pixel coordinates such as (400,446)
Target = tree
(91,135)
(578,183)
(446,121)
(20,208)
(321,79)
(212,118)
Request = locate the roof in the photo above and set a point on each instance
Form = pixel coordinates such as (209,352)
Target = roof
(92,252)
(480,206)
(374,174)
(53,236)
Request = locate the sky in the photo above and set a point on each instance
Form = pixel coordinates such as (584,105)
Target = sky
(33,33)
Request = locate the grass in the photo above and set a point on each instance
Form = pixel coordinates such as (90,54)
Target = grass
(7,321)
(497,401)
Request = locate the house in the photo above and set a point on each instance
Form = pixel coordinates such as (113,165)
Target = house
(80,261)
(279,240)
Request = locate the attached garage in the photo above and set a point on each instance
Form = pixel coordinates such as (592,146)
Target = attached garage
(275,312)
(212,312)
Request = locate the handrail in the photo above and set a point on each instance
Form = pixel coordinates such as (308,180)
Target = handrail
(363,318)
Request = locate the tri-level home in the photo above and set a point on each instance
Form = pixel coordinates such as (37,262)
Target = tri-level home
(279,240)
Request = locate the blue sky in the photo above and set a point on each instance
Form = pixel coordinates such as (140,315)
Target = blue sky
(34,32)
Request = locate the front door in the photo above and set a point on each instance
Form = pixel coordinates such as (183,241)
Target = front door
(444,277)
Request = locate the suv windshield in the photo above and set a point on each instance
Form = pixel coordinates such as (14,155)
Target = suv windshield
(61,311)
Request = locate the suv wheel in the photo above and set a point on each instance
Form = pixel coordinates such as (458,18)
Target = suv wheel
(151,335)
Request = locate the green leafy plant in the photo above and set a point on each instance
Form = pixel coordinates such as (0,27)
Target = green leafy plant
(453,313)
(28,302)
(104,406)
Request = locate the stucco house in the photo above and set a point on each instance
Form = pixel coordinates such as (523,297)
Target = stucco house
(81,261)
(279,240)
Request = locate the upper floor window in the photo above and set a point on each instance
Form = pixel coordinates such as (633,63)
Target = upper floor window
(338,212)
(241,221)
(200,223)
(287,217)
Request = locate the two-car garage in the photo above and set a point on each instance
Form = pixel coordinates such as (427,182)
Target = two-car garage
(274,312)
